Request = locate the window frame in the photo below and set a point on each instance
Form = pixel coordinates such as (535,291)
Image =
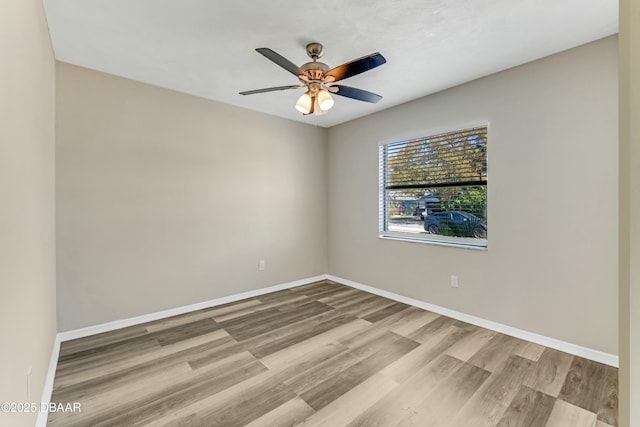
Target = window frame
(459,242)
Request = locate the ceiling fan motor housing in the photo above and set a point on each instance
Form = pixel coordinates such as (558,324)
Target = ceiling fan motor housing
(314,70)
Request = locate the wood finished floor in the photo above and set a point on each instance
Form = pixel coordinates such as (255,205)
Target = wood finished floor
(325,355)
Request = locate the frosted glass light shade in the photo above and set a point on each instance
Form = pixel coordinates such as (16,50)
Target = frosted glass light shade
(325,101)
(304,103)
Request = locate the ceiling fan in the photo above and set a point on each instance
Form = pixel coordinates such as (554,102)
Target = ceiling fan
(316,77)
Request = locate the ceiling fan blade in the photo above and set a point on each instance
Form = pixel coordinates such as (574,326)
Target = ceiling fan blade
(356,67)
(280,60)
(353,93)
(270,89)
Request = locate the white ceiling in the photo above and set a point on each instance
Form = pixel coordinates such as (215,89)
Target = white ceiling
(207,47)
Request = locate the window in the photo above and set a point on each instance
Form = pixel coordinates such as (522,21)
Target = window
(434,189)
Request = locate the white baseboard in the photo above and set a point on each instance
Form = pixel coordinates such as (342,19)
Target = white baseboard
(576,350)
(123,323)
(47,389)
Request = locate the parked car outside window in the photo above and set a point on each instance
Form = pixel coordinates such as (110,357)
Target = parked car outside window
(460,224)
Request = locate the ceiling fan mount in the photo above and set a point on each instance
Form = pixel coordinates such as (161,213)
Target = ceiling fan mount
(315,50)
(316,77)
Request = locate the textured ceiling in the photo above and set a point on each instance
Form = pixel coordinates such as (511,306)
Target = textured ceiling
(207,47)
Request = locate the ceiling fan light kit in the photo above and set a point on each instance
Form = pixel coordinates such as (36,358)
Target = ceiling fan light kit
(318,103)
(316,77)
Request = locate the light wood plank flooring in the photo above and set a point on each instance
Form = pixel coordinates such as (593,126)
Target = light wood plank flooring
(325,355)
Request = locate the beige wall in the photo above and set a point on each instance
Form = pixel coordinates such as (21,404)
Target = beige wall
(27,226)
(629,172)
(165,199)
(551,265)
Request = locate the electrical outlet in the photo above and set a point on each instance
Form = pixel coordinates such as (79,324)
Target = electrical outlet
(261,265)
(454,281)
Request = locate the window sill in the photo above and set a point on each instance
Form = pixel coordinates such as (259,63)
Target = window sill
(432,242)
